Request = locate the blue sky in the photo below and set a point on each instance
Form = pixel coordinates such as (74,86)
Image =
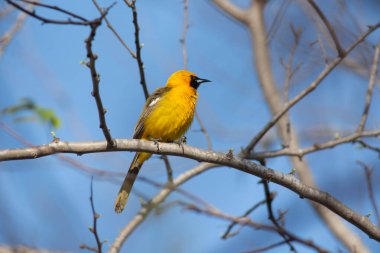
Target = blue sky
(45,202)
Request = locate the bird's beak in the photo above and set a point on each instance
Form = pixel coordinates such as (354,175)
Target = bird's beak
(201,80)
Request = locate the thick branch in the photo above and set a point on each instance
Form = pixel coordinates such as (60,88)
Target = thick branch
(285,180)
(232,10)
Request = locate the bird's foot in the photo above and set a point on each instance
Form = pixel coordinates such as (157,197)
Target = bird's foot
(181,142)
(156,142)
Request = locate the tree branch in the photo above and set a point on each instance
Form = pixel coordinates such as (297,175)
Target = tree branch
(95,82)
(114,31)
(33,13)
(314,148)
(246,221)
(368,176)
(282,232)
(8,35)
(185,63)
(248,212)
(140,63)
(286,180)
(232,10)
(371,84)
(184,32)
(95,216)
(328,26)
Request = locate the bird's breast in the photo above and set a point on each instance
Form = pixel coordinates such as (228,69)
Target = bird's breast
(172,115)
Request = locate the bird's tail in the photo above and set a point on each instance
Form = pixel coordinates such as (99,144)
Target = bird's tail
(126,187)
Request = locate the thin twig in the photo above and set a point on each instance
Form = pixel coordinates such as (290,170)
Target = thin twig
(169,170)
(328,26)
(204,131)
(185,63)
(96,79)
(184,193)
(94,228)
(95,219)
(289,73)
(6,10)
(227,234)
(9,35)
(368,175)
(246,221)
(138,45)
(109,25)
(281,231)
(368,146)
(371,84)
(33,13)
(354,137)
(84,246)
(184,31)
(266,248)
(276,23)
(56,8)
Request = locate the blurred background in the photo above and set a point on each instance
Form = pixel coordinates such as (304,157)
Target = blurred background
(44,203)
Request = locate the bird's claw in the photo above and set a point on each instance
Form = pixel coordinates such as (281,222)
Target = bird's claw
(156,142)
(181,142)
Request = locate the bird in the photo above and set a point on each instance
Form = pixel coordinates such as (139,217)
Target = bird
(167,115)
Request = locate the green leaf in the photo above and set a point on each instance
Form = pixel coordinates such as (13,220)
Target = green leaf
(38,113)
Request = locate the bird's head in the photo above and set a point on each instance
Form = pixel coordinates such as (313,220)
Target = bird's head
(184,77)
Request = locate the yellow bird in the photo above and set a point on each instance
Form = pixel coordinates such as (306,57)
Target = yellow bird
(167,115)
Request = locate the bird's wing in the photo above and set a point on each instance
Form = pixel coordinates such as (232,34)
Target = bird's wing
(150,104)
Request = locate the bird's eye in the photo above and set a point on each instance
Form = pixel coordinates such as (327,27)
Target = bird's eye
(194,82)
